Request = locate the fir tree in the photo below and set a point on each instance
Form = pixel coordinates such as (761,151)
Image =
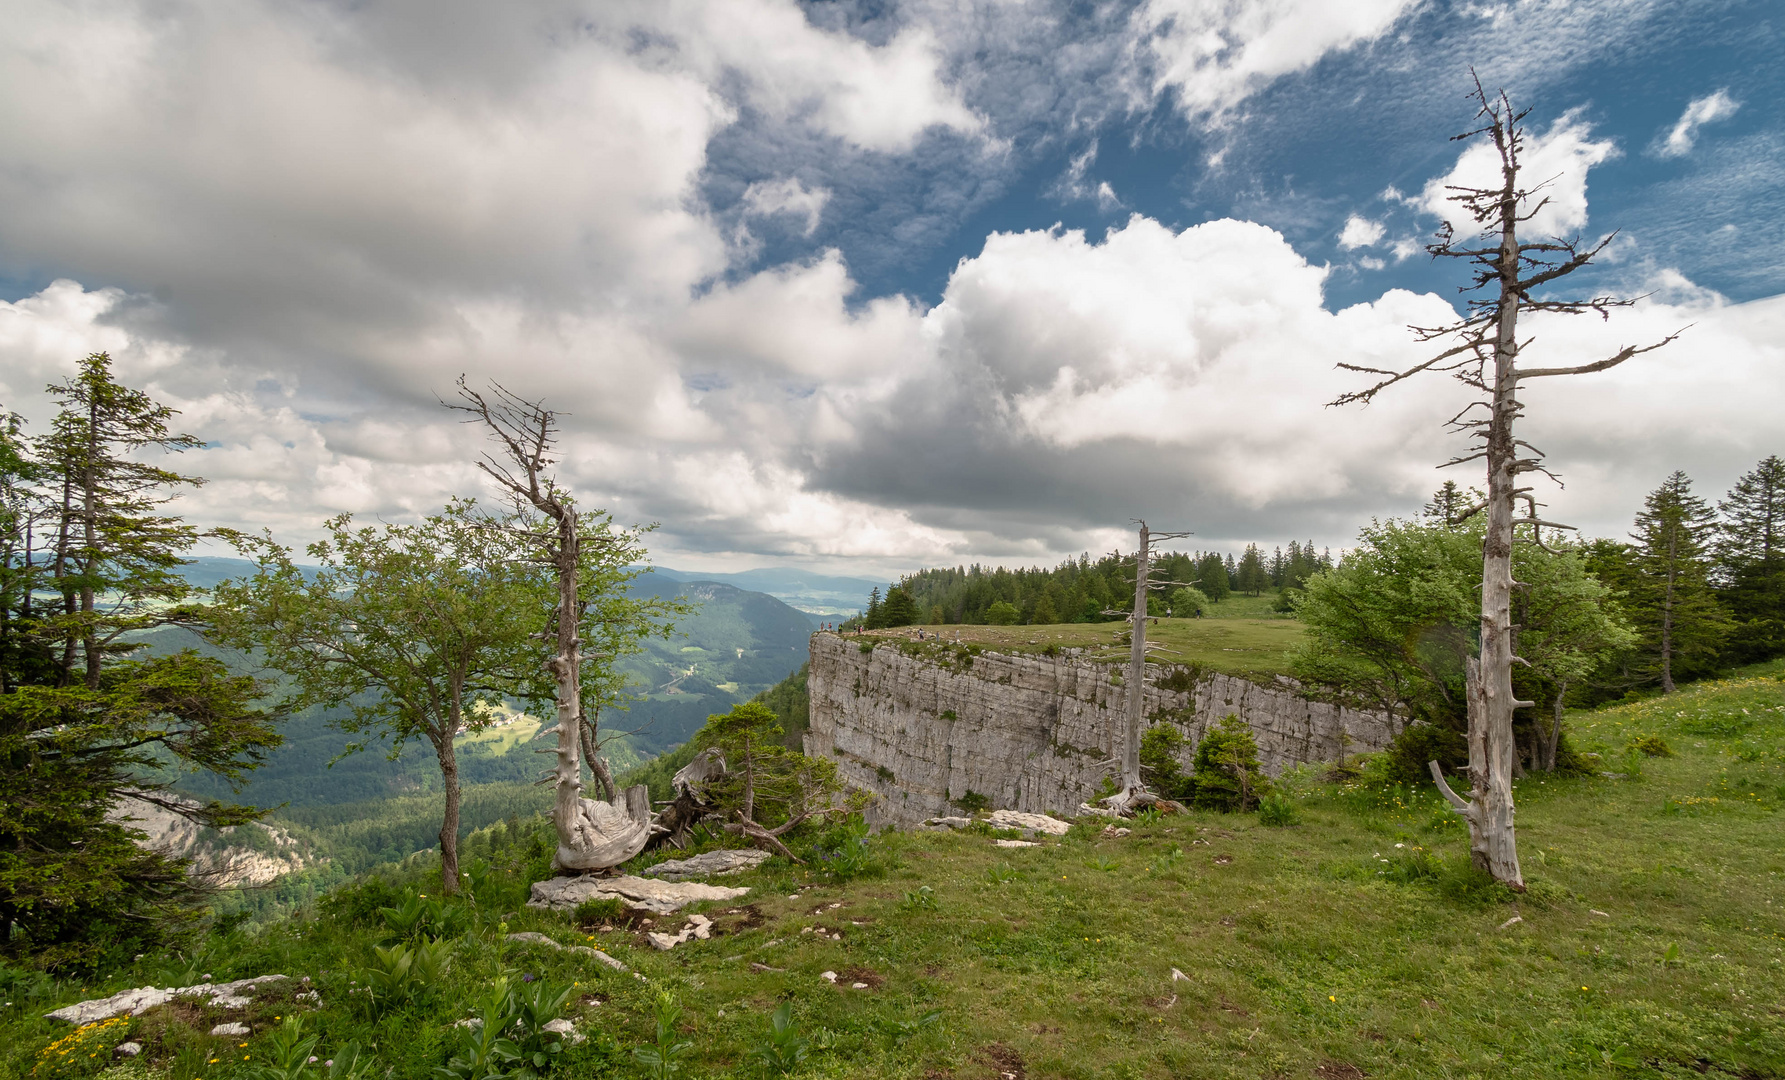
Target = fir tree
(1751,561)
(1251,574)
(1683,624)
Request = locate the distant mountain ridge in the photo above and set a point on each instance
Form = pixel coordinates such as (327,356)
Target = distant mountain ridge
(815,594)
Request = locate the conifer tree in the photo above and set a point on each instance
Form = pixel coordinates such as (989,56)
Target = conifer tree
(1674,606)
(1751,561)
(1251,573)
(1211,577)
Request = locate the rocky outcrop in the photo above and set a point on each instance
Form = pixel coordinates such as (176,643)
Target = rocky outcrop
(229,995)
(924,725)
(227,858)
(640,894)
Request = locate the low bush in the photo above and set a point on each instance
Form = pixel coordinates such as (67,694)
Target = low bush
(1650,746)
(1277,810)
(1227,774)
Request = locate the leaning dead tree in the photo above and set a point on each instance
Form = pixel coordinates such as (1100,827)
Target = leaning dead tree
(592,835)
(1133,794)
(1507,276)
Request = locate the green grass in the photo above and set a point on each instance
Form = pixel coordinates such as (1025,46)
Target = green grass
(1236,646)
(1354,940)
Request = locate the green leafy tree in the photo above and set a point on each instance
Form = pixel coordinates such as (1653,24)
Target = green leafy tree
(1751,561)
(1211,577)
(109,541)
(898,609)
(1189,602)
(768,789)
(406,630)
(1044,612)
(88,734)
(1673,604)
(1226,774)
(1003,613)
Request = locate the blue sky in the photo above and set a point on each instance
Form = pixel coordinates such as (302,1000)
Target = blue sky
(863,287)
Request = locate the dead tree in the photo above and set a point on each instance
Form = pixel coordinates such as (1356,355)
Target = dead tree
(592,835)
(1133,794)
(1484,355)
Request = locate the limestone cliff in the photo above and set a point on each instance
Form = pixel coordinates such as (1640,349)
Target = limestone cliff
(921,725)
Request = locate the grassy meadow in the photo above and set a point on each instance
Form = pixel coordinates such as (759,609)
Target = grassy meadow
(1354,942)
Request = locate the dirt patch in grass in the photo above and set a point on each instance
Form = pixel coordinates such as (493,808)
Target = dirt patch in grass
(868,975)
(1006,1063)
(1339,1070)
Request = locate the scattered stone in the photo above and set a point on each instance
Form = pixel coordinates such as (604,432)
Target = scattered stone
(1178,976)
(828,976)
(858,986)
(566,1028)
(1601,914)
(1085,809)
(469,1022)
(640,894)
(127,1049)
(234,1027)
(948,822)
(1014,843)
(699,926)
(1016,819)
(1514,921)
(1110,832)
(230,995)
(754,966)
(707,864)
(530,937)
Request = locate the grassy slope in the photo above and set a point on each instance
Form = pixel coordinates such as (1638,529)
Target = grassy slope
(1303,949)
(1238,645)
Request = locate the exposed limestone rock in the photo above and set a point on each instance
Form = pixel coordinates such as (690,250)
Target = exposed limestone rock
(699,926)
(1016,819)
(231,857)
(1032,733)
(566,1028)
(707,864)
(640,894)
(232,995)
(1014,843)
(529,937)
(948,822)
(234,1027)
(127,1049)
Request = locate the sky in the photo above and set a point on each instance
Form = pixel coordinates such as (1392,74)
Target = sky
(865,287)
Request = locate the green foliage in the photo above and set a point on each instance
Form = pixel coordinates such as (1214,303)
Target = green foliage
(285,1054)
(590,912)
(663,1059)
(1226,774)
(923,898)
(1190,602)
(843,851)
(784,1048)
(972,802)
(1406,761)
(1161,748)
(1650,746)
(1751,562)
(1003,613)
(1277,810)
(425,917)
(1683,624)
(400,974)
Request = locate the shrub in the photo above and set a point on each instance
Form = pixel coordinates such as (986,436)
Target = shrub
(1002,613)
(842,852)
(1159,751)
(82,1052)
(1406,759)
(1227,775)
(972,802)
(1650,746)
(1277,810)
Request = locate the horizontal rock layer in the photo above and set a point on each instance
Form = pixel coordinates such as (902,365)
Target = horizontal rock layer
(1032,733)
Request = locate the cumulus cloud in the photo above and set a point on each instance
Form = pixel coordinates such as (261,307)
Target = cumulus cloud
(1709,109)
(1360,232)
(787,195)
(1555,164)
(1214,54)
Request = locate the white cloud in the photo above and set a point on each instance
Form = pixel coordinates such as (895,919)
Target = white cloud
(1701,111)
(1554,162)
(1360,232)
(1073,185)
(1215,53)
(787,195)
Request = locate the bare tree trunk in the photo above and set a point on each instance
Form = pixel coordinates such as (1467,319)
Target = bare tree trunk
(1137,674)
(1552,739)
(449,822)
(598,768)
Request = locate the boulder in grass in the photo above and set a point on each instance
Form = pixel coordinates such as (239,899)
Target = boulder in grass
(640,894)
(707,864)
(1016,819)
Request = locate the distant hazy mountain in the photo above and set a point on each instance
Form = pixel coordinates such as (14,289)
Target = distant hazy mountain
(815,594)
(735,644)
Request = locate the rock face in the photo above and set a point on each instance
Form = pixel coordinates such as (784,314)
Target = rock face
(1032,733)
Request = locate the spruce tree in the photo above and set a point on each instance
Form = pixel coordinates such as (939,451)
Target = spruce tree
(1251,571)
(1751,561)
(1211,577)
(1674,606)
